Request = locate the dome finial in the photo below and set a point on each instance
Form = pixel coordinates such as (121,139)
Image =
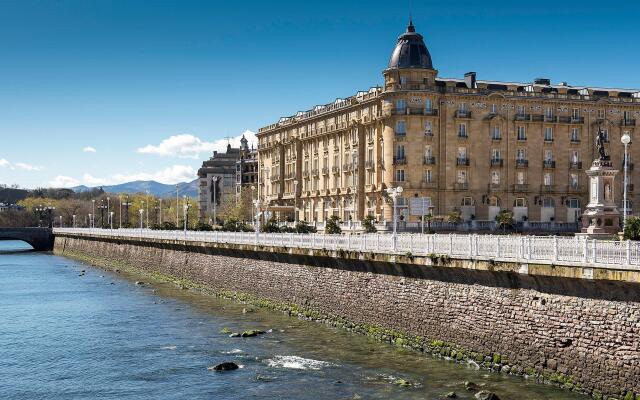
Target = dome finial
(410,27)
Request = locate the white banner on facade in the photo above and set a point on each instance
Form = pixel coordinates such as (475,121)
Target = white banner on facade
(419,205)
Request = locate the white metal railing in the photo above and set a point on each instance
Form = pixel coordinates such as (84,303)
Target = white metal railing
(574,251)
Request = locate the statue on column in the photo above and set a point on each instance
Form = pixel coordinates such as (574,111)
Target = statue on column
(600,139)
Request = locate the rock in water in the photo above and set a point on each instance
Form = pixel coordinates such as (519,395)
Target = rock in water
(486,395)
(251,333)
(139,283)
(225,366)
(450,395)
(470,385)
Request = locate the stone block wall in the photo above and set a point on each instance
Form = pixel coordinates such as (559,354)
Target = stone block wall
(584,334)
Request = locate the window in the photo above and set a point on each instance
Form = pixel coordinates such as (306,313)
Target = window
(573,180)
(546,179)
(462,107)
(575,157)
(428,152)
(495,154)
(522,133)
(494,109)
(462,176)
(520,110)
(428,105)
(548,112)
(520,178)
(403,80)
(548,155)
(401,128)
(626,115)
(400,151)
(462,130)
(520,202)
(428,129)
(629,205)
(399,175)
(575,113)
(495,133)
(428,176)
(462,153)
(573,203)
(401,105)
(575,134)
(601,114)
(548,134)
(495,177)
(467,201)
(548,202)
(521,154)
(369,155)
(606,135)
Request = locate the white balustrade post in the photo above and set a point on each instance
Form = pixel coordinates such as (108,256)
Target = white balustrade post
(628,252)
(521,246)
(450,244)
(471,246)
(377,242)
(498,246)
(348,241)
(475,239)
(593,249)
(555,248)
(363,243)
(585,249)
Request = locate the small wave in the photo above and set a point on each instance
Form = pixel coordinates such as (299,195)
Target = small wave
(295,362)
(168,347)
(234,351)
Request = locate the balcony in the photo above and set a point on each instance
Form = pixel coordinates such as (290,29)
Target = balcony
(463,135)
(521,138)
(432,111)
(497,162)
(628,122)
(414,111)
(521,163)
(550,118)
(369,188)
(335,169)
(548,164)
(575,164)
(428,133)
(429,160)
(315,172)
(548,139)
(463,114)
(575,189)
(325,170)
(462,161)
(547,188)
(575,140)
(347,167)
(370,164)
(305,174)
(492,187)
(290,175)
(522,117)
(461,186)
(428,185)
(521,188)
(629,187)
(576,120)
(399,160)
(496,138)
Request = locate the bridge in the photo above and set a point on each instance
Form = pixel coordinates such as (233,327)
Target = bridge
(41,239)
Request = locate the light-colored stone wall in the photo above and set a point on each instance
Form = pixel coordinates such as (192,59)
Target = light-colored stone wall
(578,333)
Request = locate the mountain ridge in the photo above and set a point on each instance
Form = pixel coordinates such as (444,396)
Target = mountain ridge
(153,187)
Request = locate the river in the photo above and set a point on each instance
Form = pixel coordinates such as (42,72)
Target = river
(68,334)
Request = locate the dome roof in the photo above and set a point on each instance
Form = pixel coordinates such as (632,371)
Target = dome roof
(410,51)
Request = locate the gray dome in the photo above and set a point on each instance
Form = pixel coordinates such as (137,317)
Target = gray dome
(410,51)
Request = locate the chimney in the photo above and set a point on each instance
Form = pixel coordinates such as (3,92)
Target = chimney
(542,81)
(470,80)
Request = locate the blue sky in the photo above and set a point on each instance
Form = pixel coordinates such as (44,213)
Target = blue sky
(176,77)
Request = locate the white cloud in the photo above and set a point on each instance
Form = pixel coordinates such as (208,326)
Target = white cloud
(189,146)
(89,149)
(61,181)
(4,163)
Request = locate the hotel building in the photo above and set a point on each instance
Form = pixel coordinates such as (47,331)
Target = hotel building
(466,145)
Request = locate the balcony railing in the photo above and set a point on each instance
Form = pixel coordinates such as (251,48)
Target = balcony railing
(335,169)
(547,188)
(399,160)
(496,137)
(463,161)
(414,111)
(628,122)
(522,117)
(574,140)
(463,135)
(521,188)
(463,114)
(461,186)
(325,170)
(549,164)
(429,160)
(520,163)
(575,188)
(369,164)
(575,164)
(497,162)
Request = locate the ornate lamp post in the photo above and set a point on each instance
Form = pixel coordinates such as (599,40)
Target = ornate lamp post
(295,202)
(74,220)
(111,219)
(93,213)
(126,205)
(625,139)
(394,193)
(141,211)
(185,209)
(48,210)
(102,208)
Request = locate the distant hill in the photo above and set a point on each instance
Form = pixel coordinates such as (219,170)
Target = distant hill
(155,188)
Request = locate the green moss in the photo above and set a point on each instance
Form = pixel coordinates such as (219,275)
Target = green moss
(629,396)
(496,358)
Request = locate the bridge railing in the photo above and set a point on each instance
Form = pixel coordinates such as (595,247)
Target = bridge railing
(574,251)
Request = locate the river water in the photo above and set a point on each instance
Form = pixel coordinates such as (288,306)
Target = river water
(65,334)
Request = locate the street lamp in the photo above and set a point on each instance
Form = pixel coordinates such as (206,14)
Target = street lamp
(111,219)
(141,211)
(93,213)
(394,193)
(74,221)
(185,208)
(61,221)
(108,207)
(102,207)
(48,210)
(625,139)
(90,221)
(295,202)
(214,180)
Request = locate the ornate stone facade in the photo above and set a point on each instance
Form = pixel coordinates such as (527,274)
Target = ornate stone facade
(467,145)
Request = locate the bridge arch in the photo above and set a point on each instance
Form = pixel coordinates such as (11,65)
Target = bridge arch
(41,239)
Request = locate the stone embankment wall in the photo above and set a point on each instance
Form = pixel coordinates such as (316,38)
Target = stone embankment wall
(580,334)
